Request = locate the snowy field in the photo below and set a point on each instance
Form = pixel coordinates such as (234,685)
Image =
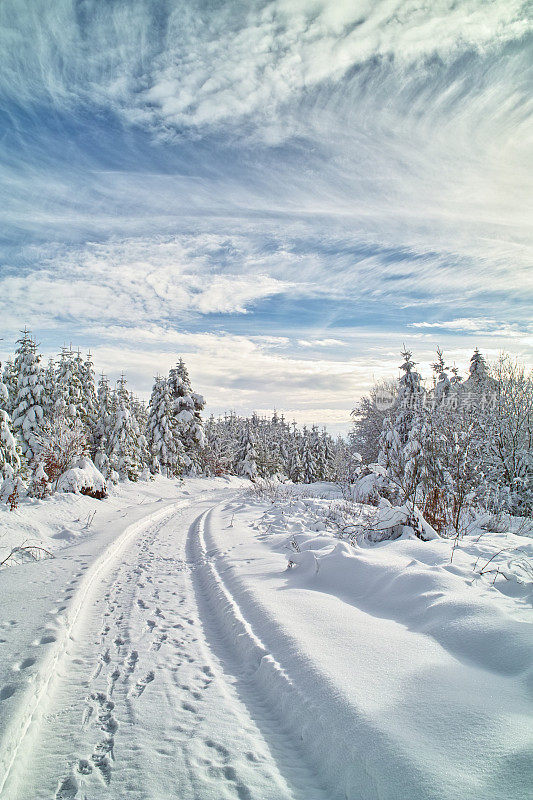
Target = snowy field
(200,640)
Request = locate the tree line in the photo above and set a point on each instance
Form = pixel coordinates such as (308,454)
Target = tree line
(455,444)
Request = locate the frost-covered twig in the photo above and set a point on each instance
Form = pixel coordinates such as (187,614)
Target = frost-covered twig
(25,551)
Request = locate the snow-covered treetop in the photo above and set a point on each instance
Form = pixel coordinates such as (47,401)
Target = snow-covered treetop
(478,366)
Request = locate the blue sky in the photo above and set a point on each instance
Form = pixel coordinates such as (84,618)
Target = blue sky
(282,192)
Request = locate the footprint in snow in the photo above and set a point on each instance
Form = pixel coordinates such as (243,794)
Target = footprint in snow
(141,685)
(84,768)
(47,639)
(67,789)
(7,692)
(160,640)
(131,662)
(27,662)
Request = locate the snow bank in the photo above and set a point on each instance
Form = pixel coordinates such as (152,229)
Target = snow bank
(84,478)
(402,674)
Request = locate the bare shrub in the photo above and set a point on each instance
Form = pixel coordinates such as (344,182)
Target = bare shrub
(62,441)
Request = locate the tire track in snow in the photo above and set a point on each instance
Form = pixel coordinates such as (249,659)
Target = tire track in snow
(252,664)
(24,723)
(171,723)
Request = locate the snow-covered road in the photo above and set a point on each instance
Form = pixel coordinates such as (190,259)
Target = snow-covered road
(167,652)
(143,694)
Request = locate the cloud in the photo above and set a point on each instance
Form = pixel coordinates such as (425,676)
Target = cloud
(307,171)
(320,343)
(134,280)
(480,327)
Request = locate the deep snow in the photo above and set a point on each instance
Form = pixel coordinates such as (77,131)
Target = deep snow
(168,651)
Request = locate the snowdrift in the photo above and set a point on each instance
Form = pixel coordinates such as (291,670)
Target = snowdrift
(402,674)
(84,478)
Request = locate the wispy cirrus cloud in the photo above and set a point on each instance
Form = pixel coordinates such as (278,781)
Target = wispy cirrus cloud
(480,326)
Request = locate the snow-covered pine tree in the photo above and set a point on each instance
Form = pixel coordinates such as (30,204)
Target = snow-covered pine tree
(294,468)
(103,426)
(49,393)
(69,393)
(4,393)
(478,369)
(88,409)
(248,465)
(125,450)
(164,444)
(394,453)
(28,413)
(127,444)
(187,412)
(309,467)
(9,450)
(319,452)
(456,379)
(442,381)
(9,379)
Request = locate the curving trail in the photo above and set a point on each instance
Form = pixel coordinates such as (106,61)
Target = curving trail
(148,692)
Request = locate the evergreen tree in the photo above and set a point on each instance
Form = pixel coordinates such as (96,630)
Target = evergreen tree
(103,427)
(478,369)
(164,444)
(187,407)
(27,409)
(395,451)
(456,379)
(442,382)
(49,393)
(68,393)
(9,379)
(248,466)
(9,450)
(125,442)
(294,467)
(309,467)
(88,409)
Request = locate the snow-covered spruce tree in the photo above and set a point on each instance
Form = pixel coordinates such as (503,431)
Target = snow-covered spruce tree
(248,465)
(395,452)
(294,468)
(164,444)
(49,393)
(9,450)
(28,413)
(442,382)
(127,445)
(69,390)
(319,452)
(9,379)
(4,393)
(140,409)
(309,467)
(125,448)
(187,407)
(88,409)
(220,455)
(478,369)
(103,426)
(456,378)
